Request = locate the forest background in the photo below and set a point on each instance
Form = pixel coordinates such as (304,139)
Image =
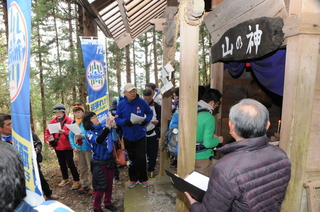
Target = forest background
(57,72)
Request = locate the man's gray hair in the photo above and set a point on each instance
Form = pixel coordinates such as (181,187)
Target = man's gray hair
(250,118)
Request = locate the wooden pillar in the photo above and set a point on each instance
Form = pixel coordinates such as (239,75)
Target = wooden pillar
(166,109)
(299,98)
(188,98)
(216,82)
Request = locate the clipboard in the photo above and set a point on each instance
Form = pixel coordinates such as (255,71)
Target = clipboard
(182,185)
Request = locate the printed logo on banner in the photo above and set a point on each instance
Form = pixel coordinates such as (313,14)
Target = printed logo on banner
(95,75)
(18,49)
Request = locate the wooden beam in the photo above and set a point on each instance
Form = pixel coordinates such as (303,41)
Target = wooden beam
(123,15)
(158,23)
(219,19)
(166,109)
(188,98)
(302,24)
(300,79)
(93,13)
(216,82)
(170,28)
(311,195)
(123,40)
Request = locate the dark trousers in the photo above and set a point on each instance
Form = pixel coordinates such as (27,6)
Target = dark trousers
(108,173)
(137,154)
(152,152)
(44,184)
(65,159)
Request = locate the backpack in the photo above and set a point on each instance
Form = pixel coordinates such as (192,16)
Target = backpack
(171,138)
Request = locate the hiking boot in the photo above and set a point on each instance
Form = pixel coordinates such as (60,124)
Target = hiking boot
(91,192)
(144,184)
(83,190)
(132,184)
(75,185)
(53,196)
(111,207)
(64,182)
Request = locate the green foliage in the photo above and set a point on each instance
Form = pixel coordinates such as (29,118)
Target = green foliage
(4,77)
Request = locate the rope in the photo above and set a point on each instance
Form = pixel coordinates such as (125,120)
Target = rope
(183,6)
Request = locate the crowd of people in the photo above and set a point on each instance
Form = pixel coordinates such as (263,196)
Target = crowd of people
(232,179)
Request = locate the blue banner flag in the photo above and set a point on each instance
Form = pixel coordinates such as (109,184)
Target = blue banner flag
(93,50)
(19,24)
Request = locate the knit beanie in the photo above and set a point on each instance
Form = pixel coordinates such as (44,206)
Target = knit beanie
(59,108)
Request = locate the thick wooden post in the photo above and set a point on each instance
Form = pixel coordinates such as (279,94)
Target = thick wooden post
(165,117)
(188,98)
(300,104)
(216,82)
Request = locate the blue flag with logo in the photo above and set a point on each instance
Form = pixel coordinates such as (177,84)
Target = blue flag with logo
(19,24)
(93,50)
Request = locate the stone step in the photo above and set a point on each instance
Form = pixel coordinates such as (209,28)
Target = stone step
(160,193)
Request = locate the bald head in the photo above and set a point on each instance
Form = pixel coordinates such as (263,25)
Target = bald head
(250,118)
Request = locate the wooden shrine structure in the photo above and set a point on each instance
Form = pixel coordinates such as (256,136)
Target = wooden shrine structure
(300,128)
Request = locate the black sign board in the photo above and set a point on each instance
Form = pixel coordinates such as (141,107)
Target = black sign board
(249,40)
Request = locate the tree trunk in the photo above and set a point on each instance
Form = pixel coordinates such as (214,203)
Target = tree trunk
(147,65)
(72,70)
(89,26)
(42,94)
(134,63)
(155,58)
(118,66)
(83,93)
(128,63)
(5,18)
(204,76)
(58,52)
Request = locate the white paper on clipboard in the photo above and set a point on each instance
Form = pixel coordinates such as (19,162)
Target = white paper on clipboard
(136,119)
(54,128)
(74,128)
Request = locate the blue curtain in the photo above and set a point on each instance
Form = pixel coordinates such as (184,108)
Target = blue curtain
(269,71)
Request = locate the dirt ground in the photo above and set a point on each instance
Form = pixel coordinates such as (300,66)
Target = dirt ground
(84,202)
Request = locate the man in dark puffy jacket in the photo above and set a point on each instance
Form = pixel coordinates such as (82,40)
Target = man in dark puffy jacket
(253,175)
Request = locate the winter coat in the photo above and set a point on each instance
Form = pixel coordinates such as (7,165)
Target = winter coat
(139,107)
(85,145)
(37,144)
(252,176)
(98,177)
(63,143)
(100,151)
(101,155)
(206,125)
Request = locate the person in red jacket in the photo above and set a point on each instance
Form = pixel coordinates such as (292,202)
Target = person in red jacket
(60,143)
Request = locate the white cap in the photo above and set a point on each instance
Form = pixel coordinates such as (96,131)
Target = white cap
(129,87)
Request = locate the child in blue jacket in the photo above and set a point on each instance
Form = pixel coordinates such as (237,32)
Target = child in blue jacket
(102,164)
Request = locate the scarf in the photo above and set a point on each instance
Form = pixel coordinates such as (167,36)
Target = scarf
(203,104)
(78,121)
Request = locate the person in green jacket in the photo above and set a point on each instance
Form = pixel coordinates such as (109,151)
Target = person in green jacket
(206,139)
